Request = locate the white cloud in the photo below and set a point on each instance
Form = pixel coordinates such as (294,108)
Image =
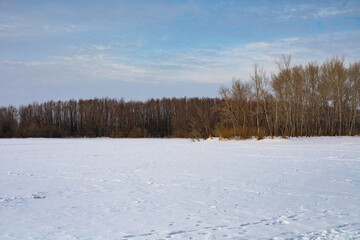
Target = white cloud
(66,28)
(23,26)
(100,47)
(290,11)
(220,65)
(213,65)
(100,66)
(30,63)
(330,12)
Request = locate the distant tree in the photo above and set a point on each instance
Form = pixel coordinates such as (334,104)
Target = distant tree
(8,122)
(297,101)
(354,104)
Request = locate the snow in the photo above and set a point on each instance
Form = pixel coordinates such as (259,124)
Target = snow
(298,188)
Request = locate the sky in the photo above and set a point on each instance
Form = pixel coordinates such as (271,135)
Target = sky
(141,49)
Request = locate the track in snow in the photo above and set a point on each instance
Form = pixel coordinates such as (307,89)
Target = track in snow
(302,188)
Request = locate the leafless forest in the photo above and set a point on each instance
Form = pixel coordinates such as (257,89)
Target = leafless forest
(302,100)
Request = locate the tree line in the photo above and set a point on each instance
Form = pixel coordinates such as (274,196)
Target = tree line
(300,100)
(105,118)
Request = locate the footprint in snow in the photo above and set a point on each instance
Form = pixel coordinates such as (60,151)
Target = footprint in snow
(39,195)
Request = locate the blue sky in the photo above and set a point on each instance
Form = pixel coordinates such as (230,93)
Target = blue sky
(60,50)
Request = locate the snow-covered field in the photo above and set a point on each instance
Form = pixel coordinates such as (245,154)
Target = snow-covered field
(300,188)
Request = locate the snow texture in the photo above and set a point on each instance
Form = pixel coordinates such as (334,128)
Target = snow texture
(297,188)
